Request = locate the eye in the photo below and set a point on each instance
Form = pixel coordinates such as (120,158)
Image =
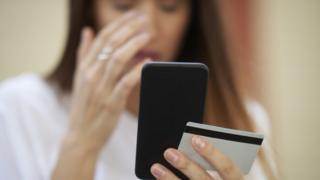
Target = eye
(170,6)
(123,5)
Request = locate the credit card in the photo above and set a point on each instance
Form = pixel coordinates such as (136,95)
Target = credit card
(239,146)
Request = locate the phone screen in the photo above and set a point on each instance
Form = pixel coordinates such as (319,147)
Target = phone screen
(171,95)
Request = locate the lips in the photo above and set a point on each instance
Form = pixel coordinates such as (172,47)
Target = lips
(141,55)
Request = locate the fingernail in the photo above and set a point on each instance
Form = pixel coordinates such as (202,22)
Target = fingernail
(158,171)
(84,33)
(171,156)
(198,142)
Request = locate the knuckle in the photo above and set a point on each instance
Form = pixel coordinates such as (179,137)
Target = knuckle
(135,42)
(112,42)
(184,164)
(210,151)
(127,85)
(127,82)
(133,26)
(110,107)
(227,167)
(104,33)
(117,59)
(119,63)
(88,78)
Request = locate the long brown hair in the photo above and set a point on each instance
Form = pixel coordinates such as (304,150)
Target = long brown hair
(203,42)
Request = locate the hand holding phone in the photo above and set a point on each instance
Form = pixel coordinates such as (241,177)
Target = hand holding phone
(171,95)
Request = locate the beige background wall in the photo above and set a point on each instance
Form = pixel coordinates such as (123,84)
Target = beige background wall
(289,35)
(32,34)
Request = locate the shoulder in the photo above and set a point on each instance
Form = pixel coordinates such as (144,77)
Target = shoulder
(263,125)
(25,89)
(21,81)
(22,85)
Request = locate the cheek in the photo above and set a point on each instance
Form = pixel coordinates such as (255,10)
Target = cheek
(172,31)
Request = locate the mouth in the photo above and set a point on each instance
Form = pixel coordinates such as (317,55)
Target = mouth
(141,55)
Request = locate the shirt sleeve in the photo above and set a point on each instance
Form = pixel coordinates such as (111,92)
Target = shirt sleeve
(8,163)
(27,138)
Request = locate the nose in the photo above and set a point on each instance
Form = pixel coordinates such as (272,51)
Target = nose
(149,10)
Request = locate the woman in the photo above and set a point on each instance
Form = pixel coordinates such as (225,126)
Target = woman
(80,121)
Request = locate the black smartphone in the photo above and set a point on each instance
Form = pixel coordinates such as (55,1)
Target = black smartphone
(171,94)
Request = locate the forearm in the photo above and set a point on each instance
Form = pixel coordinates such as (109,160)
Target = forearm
(76,161)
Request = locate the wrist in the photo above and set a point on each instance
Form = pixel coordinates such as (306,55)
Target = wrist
(77,160)
(77,145)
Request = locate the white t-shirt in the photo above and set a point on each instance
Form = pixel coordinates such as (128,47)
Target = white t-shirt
(34,119)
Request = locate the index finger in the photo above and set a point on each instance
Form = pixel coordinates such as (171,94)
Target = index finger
(225,167)
(106,31)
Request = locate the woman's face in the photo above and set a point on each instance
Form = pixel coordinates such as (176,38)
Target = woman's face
(167,19)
